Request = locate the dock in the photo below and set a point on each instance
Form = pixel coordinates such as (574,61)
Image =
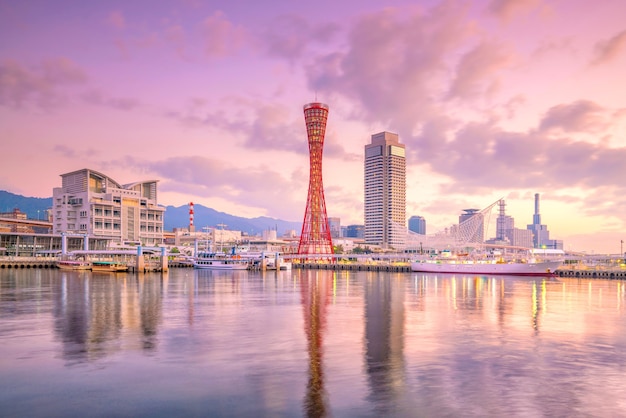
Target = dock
(157,264)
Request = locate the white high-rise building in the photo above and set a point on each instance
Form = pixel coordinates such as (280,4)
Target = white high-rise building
(385,191)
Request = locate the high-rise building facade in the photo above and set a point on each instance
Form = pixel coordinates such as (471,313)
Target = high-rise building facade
(417,224)
(90,203)
(334,224)
(385,191)
(354,231)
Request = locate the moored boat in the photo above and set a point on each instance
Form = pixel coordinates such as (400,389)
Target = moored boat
(515,268)
(108,266)
(213,261)
(73,265)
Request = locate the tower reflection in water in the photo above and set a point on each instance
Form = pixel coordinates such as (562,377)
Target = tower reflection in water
(315,290)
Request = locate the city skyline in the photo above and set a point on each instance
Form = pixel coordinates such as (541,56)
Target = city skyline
(492,98)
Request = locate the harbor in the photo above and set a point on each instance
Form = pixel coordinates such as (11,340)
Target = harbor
(155,261)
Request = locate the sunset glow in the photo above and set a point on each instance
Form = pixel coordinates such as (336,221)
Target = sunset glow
(492,98)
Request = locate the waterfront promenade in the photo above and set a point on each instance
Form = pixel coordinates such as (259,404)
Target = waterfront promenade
(583,269)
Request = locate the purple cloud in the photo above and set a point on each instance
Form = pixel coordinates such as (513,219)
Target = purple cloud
(579,116)
(477,70)
(96,97)
(507,9)
(41,85)
(482,157)
(288,36)
(206,177)
(609,49)
(221,37)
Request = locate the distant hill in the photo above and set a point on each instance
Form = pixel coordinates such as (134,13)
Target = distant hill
(175,216)
(28,205)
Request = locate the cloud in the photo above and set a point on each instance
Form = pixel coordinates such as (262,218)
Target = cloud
(116,20)
(206,177)
(175,35)
(396,65)
(477,70)
(289,36)
(579,116)
(221,37)
(96,97)
(40,85)
(262,126)
(608,50)
(507,9)
(482,157)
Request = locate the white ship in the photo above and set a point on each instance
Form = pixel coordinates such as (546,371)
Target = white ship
(516,268)
(215,261)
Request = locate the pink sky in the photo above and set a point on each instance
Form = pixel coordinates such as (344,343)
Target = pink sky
(493,98)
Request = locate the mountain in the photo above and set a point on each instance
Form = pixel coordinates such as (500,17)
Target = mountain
(175,216)
(33,207)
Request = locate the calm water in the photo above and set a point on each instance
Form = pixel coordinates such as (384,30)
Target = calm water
(309,343)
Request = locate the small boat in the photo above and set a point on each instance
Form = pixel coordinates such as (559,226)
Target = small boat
(213,261)
(73,264)
(270,263)
(487,266)
(108,266)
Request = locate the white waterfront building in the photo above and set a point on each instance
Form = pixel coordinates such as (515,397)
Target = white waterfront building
(91,203)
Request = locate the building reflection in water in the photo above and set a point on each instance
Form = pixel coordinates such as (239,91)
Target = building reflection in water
(92,312)
(384,341)
(315,290)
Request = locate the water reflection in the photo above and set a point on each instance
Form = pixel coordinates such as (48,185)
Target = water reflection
(384,341)
(315,343)
(315,293)
(92,310)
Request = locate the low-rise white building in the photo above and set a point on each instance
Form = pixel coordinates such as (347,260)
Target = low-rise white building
(91,203)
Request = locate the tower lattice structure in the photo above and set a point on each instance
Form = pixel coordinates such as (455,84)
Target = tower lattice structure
(315,237)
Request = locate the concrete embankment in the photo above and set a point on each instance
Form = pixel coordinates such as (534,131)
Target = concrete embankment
(611,274)
(27,263)
(353,267)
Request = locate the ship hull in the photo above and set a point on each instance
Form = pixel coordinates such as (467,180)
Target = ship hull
(546,268)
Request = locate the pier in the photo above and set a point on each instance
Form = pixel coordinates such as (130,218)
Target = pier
(153,263)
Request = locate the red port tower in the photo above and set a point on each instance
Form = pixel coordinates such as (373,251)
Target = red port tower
(315,237)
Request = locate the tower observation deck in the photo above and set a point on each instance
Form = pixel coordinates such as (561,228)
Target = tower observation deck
(315,237)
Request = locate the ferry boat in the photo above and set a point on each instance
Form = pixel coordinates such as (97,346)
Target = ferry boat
(74,264)
(487,266)
(215,261)
(108,266)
